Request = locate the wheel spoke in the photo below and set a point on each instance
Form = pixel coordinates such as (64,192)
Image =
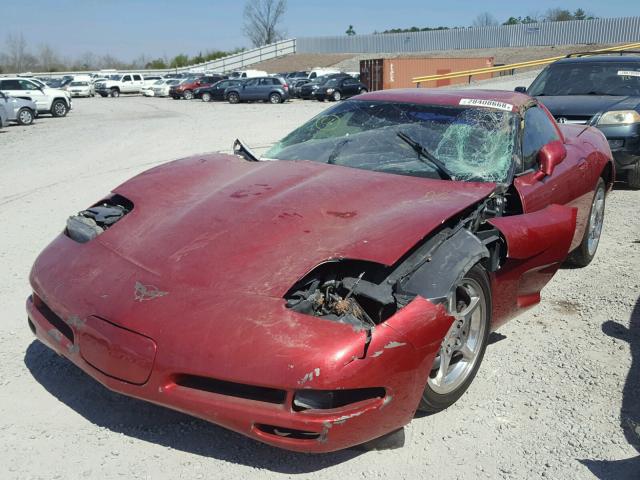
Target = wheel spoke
(469,309)
(445,360)
(467,353)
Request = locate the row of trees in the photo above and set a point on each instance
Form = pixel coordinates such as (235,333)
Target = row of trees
(486,19)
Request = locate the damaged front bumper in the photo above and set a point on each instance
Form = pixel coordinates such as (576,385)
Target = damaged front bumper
(388,380)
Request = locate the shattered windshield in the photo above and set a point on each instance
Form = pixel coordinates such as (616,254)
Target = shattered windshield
(472,144)
(588,78)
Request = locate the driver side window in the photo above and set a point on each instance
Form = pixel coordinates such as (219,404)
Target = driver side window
(538,131)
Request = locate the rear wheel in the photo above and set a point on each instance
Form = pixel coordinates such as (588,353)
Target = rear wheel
(633,178)
(59,108)
(233,97)
(582,256)
(463,347)
(275,98)
(206,97)
(188,95)
(115,93)
(25,116)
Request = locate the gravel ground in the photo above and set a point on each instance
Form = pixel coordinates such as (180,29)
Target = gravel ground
(547,402)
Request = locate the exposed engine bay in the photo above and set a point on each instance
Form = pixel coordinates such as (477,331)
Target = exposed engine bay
(90,223)
(365,294)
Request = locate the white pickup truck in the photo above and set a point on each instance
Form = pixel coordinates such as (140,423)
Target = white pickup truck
(117,84)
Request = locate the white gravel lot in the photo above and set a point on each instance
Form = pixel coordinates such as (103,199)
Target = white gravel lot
(548,401)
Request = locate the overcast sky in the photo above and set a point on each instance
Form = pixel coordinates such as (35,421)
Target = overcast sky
(128,28)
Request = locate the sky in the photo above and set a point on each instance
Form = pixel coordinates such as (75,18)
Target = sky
(157,28)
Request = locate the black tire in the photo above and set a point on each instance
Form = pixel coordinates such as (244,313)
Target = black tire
(633,177)
(25,116)
(206,97)
(275,98)
(187,95)
(337,96)
(103,95)
(59,108)
(431,401)
(115,93)
(584,253)
(363,90)
(233,97)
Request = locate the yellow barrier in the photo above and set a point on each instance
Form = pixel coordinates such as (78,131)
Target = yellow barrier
(512,66)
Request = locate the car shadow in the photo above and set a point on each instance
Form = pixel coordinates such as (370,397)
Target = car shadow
(152,423)
(630,411)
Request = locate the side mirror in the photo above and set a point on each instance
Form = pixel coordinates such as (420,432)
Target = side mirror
(521,89)
(549,157)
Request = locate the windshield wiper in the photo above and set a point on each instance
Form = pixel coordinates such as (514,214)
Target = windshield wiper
(241,149)
(423,152)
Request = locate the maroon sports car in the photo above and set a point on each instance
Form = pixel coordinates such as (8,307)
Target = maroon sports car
(315,298)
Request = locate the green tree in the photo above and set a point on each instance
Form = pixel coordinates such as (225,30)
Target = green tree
(178,61)
(350,31)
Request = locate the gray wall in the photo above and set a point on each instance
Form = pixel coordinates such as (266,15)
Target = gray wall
(602,31)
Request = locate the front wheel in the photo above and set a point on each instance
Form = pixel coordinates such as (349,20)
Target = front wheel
(337,96)
(233,97)
(463,347)
(59,108)
(25,116)
(188,95)
(206,97)
(633,178)
(115,93)
(582,256)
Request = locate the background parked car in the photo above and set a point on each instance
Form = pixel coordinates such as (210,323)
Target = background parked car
(307,90)
(294,90)
(82,89)
(248,74)
(599,90)
(48,100)
(215,91)
(336,89)
(18,110)
(161,87)
(119,84)
(4,116)
(185,89)
(267,89)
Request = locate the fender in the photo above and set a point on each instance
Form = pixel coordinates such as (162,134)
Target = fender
(537,244)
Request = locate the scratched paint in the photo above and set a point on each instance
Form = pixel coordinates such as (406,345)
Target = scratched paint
(394,345)
(147,292)
(309,376)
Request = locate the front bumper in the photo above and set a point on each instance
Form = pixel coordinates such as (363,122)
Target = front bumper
(624,141)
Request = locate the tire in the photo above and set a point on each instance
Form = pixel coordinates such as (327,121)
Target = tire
(103,95)
(275,98)
(233,97)
(115,93)
(584,253)
(440,391)
(24,116)
(633,177)
(364,90)
(187,95)
(337,96)
(59,108)
(206,97)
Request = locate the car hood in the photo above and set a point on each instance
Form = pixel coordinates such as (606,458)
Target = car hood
(260,226)
(586,105)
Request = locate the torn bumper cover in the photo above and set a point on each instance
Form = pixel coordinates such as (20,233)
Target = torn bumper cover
(299,383)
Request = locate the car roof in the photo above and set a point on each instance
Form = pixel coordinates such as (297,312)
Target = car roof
(601,59)
(441,96)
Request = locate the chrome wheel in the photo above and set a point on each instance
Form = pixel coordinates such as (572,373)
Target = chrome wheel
(59,109)
(206,97)
(462,346)
(25,117)
(188,95)
(275,98)
(595,221)
(337,96)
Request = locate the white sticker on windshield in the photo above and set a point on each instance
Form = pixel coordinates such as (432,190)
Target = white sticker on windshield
(478,102)
(628,73)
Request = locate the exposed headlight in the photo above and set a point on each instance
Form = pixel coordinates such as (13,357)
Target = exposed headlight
(619,117)
(331,90)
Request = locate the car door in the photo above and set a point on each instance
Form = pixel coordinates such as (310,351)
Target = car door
(250,89)
(126,84)
(562,187)
(30,91)
(217,92)
(349,87)
(138,83)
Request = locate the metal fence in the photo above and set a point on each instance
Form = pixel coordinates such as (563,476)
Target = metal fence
(599,31)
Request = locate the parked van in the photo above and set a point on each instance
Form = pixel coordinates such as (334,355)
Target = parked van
(248,74)
(319,72)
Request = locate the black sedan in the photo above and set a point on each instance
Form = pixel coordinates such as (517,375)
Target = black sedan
(215,91)
(335,89)
(602,90)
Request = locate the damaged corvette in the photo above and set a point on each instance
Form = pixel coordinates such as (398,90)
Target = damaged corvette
(315,298)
